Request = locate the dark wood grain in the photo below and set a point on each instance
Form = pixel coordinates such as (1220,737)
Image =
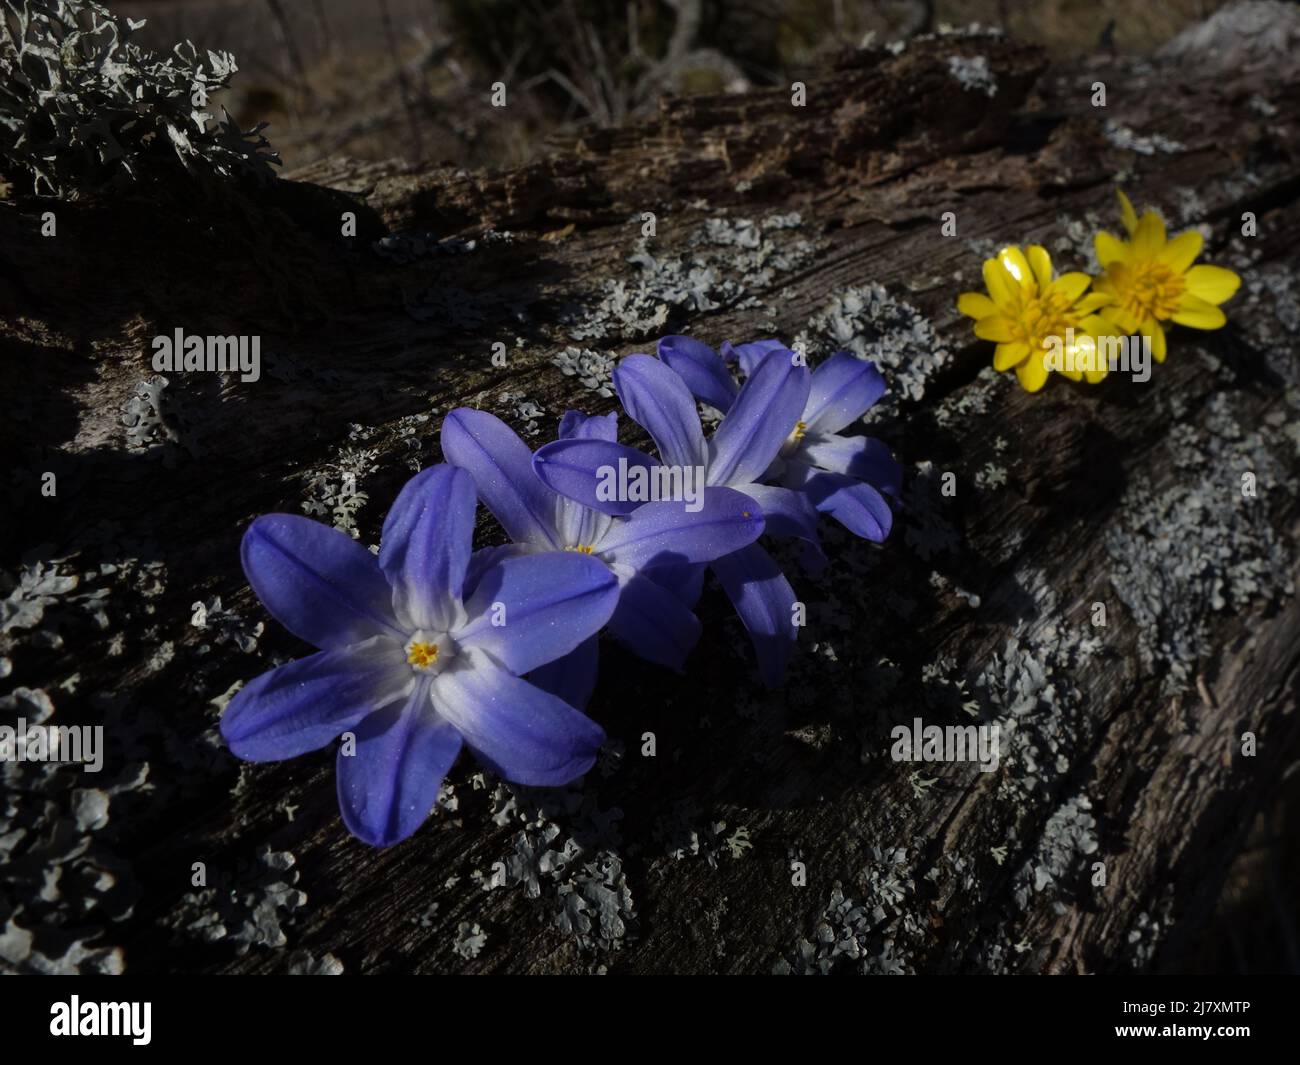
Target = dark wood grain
(1139,766)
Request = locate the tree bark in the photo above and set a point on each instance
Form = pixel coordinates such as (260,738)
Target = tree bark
(1122,744)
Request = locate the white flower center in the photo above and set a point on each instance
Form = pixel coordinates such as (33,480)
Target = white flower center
(428,652)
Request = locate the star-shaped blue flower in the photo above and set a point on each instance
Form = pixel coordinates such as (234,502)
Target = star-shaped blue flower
(646,546)
(421,651)
(740,451)
(846,477)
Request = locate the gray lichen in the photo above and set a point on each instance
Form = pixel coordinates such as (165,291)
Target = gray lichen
(566,852)
(973,74)
(725,262)
(1199,545)
(157,422)
(248,909)
(893,334)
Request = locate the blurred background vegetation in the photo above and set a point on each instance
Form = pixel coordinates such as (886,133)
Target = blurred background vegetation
(411,79)
(379,79)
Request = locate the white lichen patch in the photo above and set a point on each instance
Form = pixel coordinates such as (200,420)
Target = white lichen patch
(1185,550)
(1121,136)
(593,369)
(566,852)
(334,492)
(726,263)
(973,74)
(872,324)
(249,908)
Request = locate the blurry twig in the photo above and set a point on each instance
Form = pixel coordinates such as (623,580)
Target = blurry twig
(296,74)
(403,87)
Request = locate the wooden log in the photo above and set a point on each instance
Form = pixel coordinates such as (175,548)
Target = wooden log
(770,830)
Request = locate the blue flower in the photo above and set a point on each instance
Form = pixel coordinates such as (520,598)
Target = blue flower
(760,420)
(420,654)
(843,476)
(647,546)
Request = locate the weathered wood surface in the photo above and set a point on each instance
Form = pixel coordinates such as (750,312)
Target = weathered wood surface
(1126,746)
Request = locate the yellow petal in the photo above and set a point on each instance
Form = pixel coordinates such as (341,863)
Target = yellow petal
(1006,356)
(1001,285)
(1126,322)
(1110,249)
(1150,236)
(1098,325)
(1182,251)
(1094,377)
(1153,329)
(1092,301)
(996,328)
(976,305)
(1015,263)
(1126,212)
(1072,285)
(1041,264)
(1198,314)
(1032,373)
(1213,284)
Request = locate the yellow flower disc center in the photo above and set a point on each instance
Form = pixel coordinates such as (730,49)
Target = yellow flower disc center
(1150,290)
(1042,317)
(421,655)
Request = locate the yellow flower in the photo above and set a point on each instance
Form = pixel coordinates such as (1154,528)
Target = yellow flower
(1026,313)
(1152,280)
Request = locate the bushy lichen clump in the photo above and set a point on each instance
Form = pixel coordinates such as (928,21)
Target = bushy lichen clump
(82,107)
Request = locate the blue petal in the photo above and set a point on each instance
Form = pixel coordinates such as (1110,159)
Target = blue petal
(532,610)
(317,582)
(765,602)
(854,504)
(485,558)
(502,468)
(523,733)
(425,546)
(844,388)
(573,677)
(701,368)
(861,457)
(654,624)
(574,468)
(785,511)
(751,354)
(684,580)
(759,422)
(389,784)
(303,705)
(660,534)
(578,426)
(659,401)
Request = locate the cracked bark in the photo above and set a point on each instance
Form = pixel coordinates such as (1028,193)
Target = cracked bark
(884,146)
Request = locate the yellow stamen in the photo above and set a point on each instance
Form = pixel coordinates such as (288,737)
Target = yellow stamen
(582,549)
(800,428)
(422,655)
(1149,290)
